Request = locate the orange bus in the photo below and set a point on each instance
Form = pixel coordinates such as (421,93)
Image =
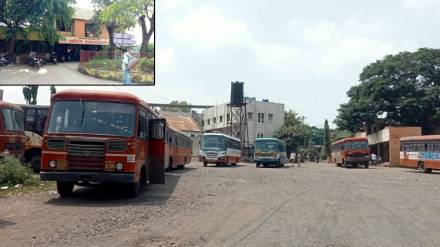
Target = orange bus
(178,149)
(95,136)
(421,152)
(351,152)
(12,137)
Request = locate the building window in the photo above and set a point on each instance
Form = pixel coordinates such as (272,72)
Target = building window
(270,117)
(261,117)
(228,118)
(260,135)
(209,122)
(250,115)
(214,120)
(221,119)
(203,123)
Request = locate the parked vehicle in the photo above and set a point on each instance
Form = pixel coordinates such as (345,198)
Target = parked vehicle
(34,61)
(270,151)
(53,58)
(351,152)
(105,137)
(4,60)
(220,149)
(420,152)
(34,121)
(12,136)
(178,149)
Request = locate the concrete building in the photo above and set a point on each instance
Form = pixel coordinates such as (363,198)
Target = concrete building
(263,118)
(186,123)
(386,142)
(81,34)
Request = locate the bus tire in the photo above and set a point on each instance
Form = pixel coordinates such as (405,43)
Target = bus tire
(65,189)
(257,165)
(233,164)
(35,164)
(205,164)
(367,165)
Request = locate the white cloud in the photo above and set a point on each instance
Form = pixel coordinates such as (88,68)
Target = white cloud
(172,4)
(207,27)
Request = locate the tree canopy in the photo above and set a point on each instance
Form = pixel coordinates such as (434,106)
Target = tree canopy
(183,106)
(399,90)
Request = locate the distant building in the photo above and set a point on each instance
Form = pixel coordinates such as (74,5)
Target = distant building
(187,124)
(386,142)
(81,34)
(263,118)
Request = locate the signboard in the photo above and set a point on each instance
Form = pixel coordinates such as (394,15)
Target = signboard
(124,39)
(83,41)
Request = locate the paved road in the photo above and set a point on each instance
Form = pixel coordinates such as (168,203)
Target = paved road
(315,205)
(62,73)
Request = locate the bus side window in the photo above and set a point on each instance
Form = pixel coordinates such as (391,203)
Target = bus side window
(430,147)
(142,132)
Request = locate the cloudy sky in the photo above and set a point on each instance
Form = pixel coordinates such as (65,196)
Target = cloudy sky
(305,54)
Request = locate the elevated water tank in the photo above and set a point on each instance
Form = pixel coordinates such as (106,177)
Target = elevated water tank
(237,94)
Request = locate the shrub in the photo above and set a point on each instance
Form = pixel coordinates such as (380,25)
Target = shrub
(12,172)
(145,65)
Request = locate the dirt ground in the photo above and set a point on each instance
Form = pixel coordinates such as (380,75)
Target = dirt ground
(315,205)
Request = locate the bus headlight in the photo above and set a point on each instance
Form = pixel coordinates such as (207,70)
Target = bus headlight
(119,166)
(52,164)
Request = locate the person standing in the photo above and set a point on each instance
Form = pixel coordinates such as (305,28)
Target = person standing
(373,159)
(292,158)
(125,69)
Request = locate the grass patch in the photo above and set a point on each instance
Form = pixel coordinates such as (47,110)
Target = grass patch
(16,179)
(111,69)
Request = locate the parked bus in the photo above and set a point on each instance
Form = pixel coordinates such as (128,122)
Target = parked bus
(178,149)
(95,136)
(34,121)
(220,149)
(12,137)
(351,152)
(270,151)
(420,152)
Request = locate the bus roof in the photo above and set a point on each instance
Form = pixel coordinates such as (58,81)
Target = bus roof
(351,139)
(268,139)
(102,96)
(421,138)
(221,134)
(7,105)
(34,106)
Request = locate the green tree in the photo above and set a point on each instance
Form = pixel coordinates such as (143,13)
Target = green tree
(53,90)
(144,11)
(326,152)
(177,106)
(15,15)
(30,94)
(116,15)
(399,90)
(294,132)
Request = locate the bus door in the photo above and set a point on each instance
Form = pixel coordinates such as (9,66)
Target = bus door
(156,164)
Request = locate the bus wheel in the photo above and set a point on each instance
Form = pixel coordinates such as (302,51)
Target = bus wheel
(257,165)
(233,164)
(367,165)
(35,163)
(65,188)
(205,163)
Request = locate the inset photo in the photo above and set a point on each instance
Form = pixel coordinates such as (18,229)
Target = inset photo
(82,42)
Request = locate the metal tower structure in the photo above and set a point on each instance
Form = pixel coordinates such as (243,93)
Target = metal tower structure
(236,118)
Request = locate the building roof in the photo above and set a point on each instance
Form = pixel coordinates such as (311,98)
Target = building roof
(421,138)
(183,123)
(83,14)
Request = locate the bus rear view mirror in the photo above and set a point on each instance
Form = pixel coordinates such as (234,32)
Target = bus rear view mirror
(157,129)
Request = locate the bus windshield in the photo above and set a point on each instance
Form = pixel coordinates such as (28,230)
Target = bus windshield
(213,142)
(267,146)
(356,145)
(93,117)
(12,120)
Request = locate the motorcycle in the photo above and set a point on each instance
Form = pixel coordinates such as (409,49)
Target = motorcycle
(53,58)
(4,61)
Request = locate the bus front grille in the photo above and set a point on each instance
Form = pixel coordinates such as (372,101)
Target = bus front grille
(211,155)
(86,155)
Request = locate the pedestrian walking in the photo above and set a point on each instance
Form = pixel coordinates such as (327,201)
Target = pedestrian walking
(125,69)
(292,158)
(373,159)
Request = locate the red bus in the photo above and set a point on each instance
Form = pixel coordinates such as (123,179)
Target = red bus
(351,152)
(12,137)
(95,136)
(178,149)
(421,152)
